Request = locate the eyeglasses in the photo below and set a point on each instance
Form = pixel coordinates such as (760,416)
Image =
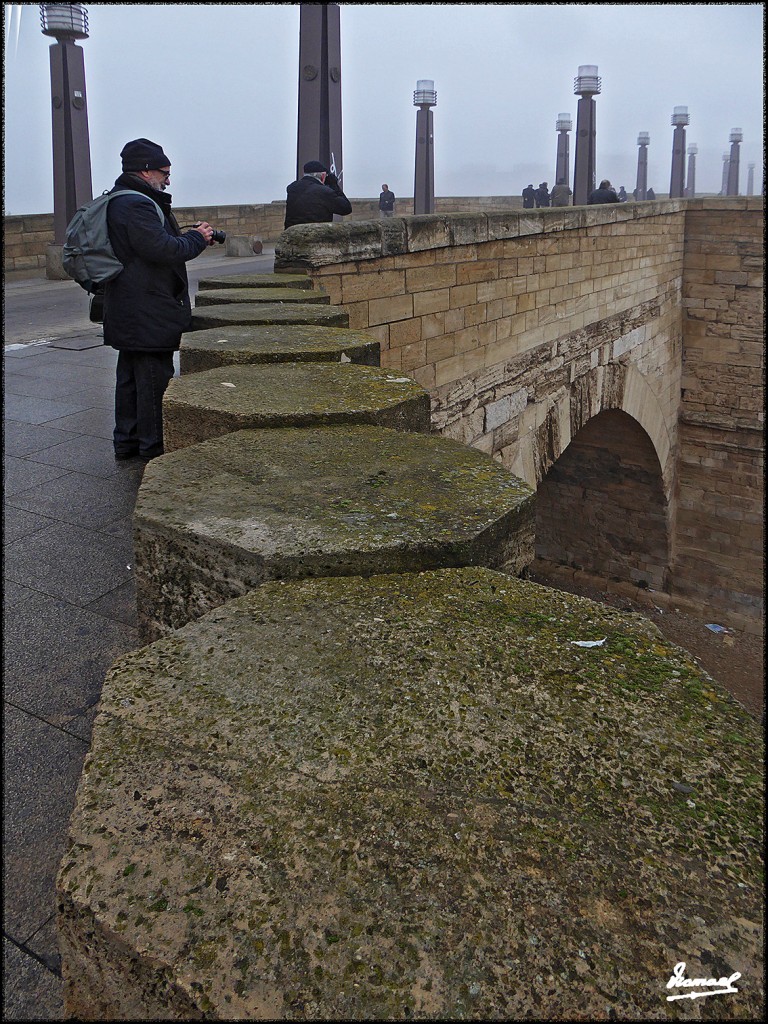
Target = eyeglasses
(165,174)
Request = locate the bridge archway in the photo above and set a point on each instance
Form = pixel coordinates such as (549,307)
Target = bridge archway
(602,506)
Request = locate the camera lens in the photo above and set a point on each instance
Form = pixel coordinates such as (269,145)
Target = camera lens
(219,236)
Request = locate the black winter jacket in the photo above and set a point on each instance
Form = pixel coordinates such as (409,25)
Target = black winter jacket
(147,307)
(602,195)
(309,201)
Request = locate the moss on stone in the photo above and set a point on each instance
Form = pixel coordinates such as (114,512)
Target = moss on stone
(203,350)
(220,296)
(203,405)
(260,314)
(255,281)
(413,795)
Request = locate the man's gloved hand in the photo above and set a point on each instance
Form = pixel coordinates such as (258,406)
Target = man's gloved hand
(332,182)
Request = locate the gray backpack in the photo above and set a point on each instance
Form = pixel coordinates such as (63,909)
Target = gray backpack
(88,256)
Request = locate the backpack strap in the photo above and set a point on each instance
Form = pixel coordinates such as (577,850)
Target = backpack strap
(131,192)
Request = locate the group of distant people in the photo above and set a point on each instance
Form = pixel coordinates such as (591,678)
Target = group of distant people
(561,195)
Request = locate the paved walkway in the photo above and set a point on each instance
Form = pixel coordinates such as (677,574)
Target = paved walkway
(70,600)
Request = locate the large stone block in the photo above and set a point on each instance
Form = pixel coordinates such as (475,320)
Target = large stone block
(413,797)
(221,296)
(266,314)
(255,281)
(222,346)
(217,519)
(203,405)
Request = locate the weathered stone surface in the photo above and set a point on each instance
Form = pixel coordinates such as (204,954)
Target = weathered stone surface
(413,797)
(255,281)
(203,405)
(222,346)
(268,313)
(316,245)
(220,296)
(217,519)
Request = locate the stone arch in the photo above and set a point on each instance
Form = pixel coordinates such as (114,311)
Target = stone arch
(602,508)
(546,427)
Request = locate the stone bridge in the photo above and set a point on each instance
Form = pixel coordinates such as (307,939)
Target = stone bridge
(612,357)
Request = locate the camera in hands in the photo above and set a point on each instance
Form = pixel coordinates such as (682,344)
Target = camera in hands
(219,236)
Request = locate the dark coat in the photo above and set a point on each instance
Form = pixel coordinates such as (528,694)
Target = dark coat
(147,307)
(529,197)
(542,196)
(309,201)
(387,200)
(602,195)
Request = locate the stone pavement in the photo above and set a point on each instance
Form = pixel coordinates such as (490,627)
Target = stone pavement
(70,602)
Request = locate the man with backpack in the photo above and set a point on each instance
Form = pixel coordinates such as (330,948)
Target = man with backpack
(147,306)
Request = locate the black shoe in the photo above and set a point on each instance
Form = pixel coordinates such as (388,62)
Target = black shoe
(122,456)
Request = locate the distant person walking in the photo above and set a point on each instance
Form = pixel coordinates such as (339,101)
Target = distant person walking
(386,202)
(542,195)
(561,194)
(529,197)
(604,194)
(622,194)
(315,197)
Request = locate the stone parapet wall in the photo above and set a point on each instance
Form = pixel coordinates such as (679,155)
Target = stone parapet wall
(720,502)
(27,235)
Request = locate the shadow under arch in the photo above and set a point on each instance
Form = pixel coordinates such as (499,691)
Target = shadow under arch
(602,506)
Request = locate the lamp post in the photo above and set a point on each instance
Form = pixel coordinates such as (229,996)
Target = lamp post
(424,98)
(641,189)
(319,121)
(680,119)
(690,185)
(587,85)
(750,179)
(71,149)
(563,125)
(726,162)
(733,162)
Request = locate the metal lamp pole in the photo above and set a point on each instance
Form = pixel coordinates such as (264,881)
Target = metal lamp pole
(641,188)
(690,185)
(680,119)
(562,126)
(424,98)
(319,121)
(71,148)
(733,162)
(587,85)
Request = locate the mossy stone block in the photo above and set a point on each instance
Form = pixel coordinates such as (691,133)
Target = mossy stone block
(221,296)
(413,797)
(223,346)
(200,406)
(255,281)
(259,314)
(221,517)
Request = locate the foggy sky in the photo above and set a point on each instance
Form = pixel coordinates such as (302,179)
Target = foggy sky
(216,86)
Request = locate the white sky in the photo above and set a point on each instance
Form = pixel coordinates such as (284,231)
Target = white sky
(216,86)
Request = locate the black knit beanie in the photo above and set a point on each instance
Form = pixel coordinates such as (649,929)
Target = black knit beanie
(143,155)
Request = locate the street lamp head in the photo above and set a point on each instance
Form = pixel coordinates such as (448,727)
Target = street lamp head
(736,135)
(644,138)
(587,82)
(693,149)
(563,123)
(680,117)
(66,22)
(425,95)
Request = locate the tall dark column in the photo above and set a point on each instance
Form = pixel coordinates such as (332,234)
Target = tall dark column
(319,122)
(586,85)
(680,119)
(733,162)
(641,188)
(750,179)
(690,184)
(562,167)
(424,177)
(72,184)
(724,185)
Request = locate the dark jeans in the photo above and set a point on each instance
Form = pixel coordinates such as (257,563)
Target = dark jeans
(142,378)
